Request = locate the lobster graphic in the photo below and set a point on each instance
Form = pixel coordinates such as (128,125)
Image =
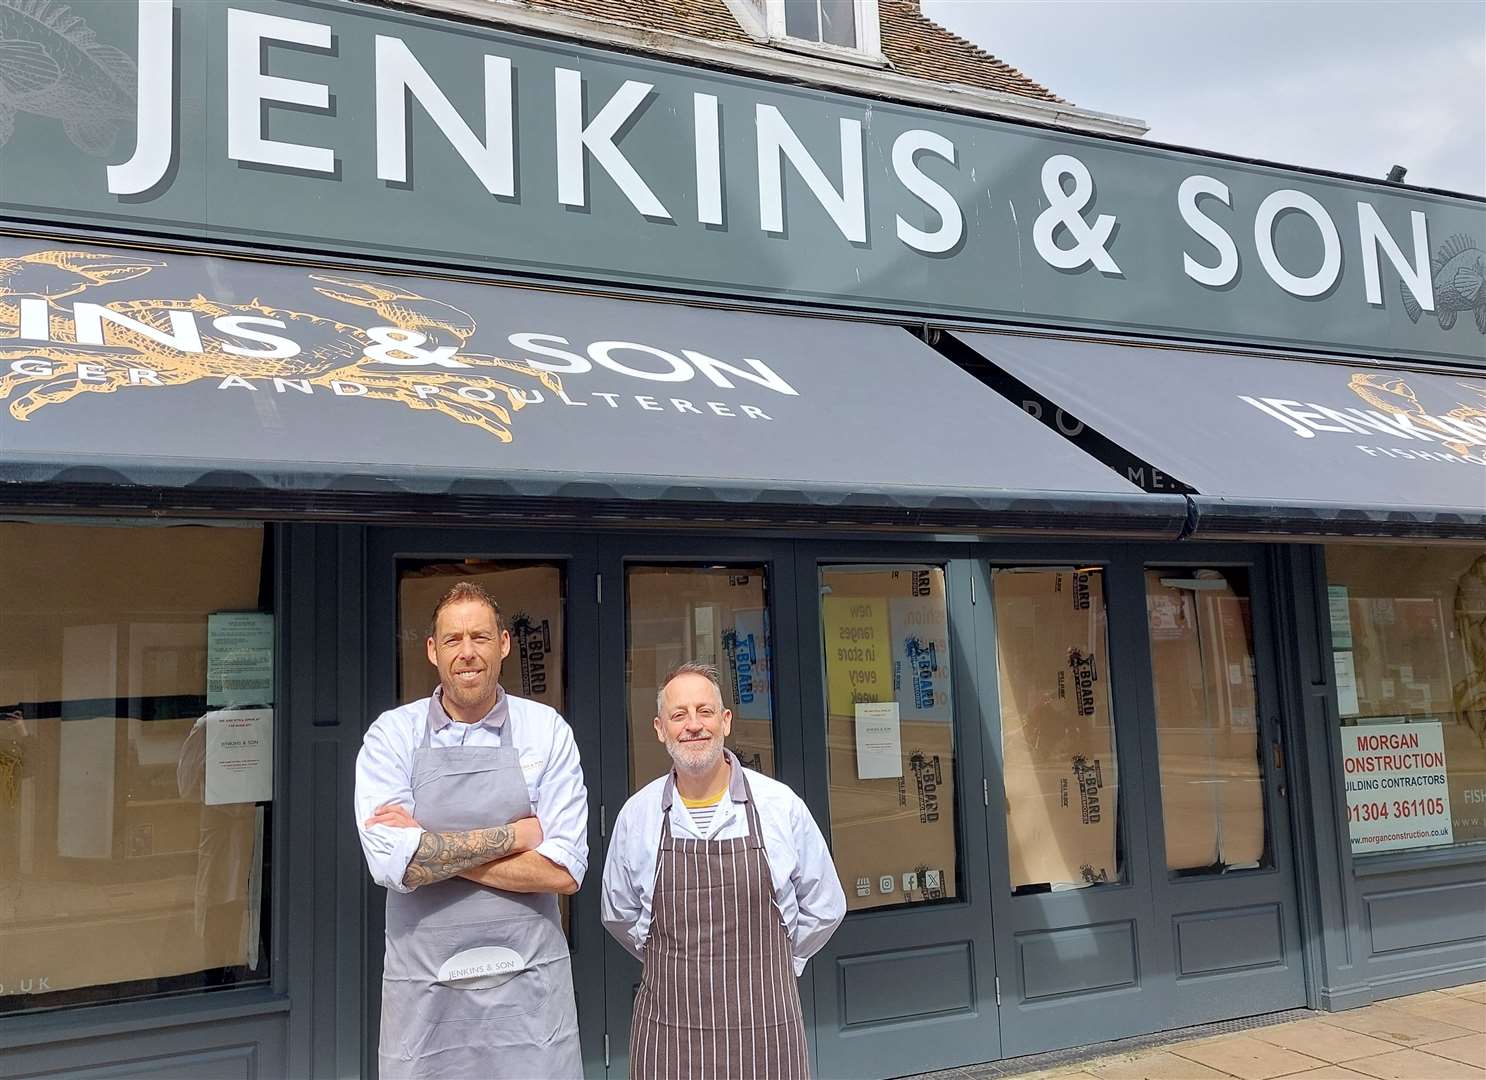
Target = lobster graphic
(483,391)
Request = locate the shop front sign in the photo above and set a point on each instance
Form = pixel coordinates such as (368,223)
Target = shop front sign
(1398,795)
(329,126)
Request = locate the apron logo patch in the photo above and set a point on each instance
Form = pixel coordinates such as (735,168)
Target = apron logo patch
(481,968)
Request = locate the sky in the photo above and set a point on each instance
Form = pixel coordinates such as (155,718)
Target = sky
(1354,86)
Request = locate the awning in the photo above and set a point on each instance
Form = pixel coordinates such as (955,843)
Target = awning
(1263,444)
(296,387)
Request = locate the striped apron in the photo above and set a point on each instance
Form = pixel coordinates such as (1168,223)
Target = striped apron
(719,996)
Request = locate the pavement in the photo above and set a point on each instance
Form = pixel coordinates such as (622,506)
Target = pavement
(1438,1035)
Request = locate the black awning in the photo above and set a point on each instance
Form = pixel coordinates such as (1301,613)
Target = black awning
(1264,445)
(174,371)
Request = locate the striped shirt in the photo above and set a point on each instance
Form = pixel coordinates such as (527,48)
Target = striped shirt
(703,810)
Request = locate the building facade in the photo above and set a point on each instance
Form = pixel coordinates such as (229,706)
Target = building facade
(986,448)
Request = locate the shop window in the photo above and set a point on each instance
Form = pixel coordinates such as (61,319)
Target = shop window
(1207,720)
(136,752)
(712,615)
(1057,729)
(890,733)
(1408,637)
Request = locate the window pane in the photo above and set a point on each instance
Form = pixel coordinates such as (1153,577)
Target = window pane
(131,661)
(838,24)
(1408,626)
(890,733)
(1057,729)
(713,615)
(1212,783)
(802,19)
(530,596)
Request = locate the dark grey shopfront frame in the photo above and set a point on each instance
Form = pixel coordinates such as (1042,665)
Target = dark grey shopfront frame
(315,1018)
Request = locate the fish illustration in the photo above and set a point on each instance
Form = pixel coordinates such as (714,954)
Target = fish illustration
(1459,273)
(53,65)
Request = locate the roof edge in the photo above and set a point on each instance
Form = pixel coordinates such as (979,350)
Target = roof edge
(769,61)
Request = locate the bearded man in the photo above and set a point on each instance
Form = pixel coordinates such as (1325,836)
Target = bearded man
(719,881)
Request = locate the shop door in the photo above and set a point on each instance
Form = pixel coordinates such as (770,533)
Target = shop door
(665,602)
(546,585)
(1143,876)
(890,700)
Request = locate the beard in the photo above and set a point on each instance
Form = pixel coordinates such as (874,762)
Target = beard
(695,758)
(481,692)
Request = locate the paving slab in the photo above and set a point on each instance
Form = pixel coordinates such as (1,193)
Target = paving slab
(1470,1049)
(1324,1041)
(1395,1025)
(1246,1057)
(1414,1065)
(1156,1065)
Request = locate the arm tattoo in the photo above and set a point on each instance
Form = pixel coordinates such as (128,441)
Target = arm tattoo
(443,855)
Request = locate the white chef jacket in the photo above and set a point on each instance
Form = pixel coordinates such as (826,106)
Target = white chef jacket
(806,887)
(549,762)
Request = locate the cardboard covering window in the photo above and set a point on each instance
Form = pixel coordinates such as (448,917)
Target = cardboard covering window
(114,869)
(1212,788)
(531,603)
(886,636)
(1057,729)
(711,615)
(1418,622)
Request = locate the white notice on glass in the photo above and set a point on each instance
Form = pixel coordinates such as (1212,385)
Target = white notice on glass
(1346,683)
(1341,617)
(879,740)
(239,658)
(239,756)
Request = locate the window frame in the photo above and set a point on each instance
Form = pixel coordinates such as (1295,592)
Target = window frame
(868,49)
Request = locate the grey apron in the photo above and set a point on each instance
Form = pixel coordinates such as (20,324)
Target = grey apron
(464,1026)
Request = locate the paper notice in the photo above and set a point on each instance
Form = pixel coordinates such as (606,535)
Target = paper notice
(1341,617)
(1346,683)
(879,740)
(239,658)
(859,659)
(239,756)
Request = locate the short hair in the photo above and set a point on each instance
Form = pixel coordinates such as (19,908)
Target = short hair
(690,667)
(459,592)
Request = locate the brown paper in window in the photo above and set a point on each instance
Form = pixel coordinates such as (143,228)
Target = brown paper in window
(1056,733)
(888,827)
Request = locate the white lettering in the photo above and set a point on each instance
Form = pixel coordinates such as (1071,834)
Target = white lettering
(610,398)
(235,382)
(1331,246)
(248,88)
(573,363)
(143,376)
(36,320)
(35,369)
(1374,234)
(720,408)
(301,385)
(755,412)
(776,141)
(91,373)
(346,388)
(424,391)
(482,393)
(280,348)
(597,138)
(706,124)
(679,371)
(761,373)
(685,406)
(1227,266)
(1264,407)
(154,139)
(649,404)
(951,221)
(90,318)
(399,73)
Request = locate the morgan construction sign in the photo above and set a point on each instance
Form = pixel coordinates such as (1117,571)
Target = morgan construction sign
(325,125)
